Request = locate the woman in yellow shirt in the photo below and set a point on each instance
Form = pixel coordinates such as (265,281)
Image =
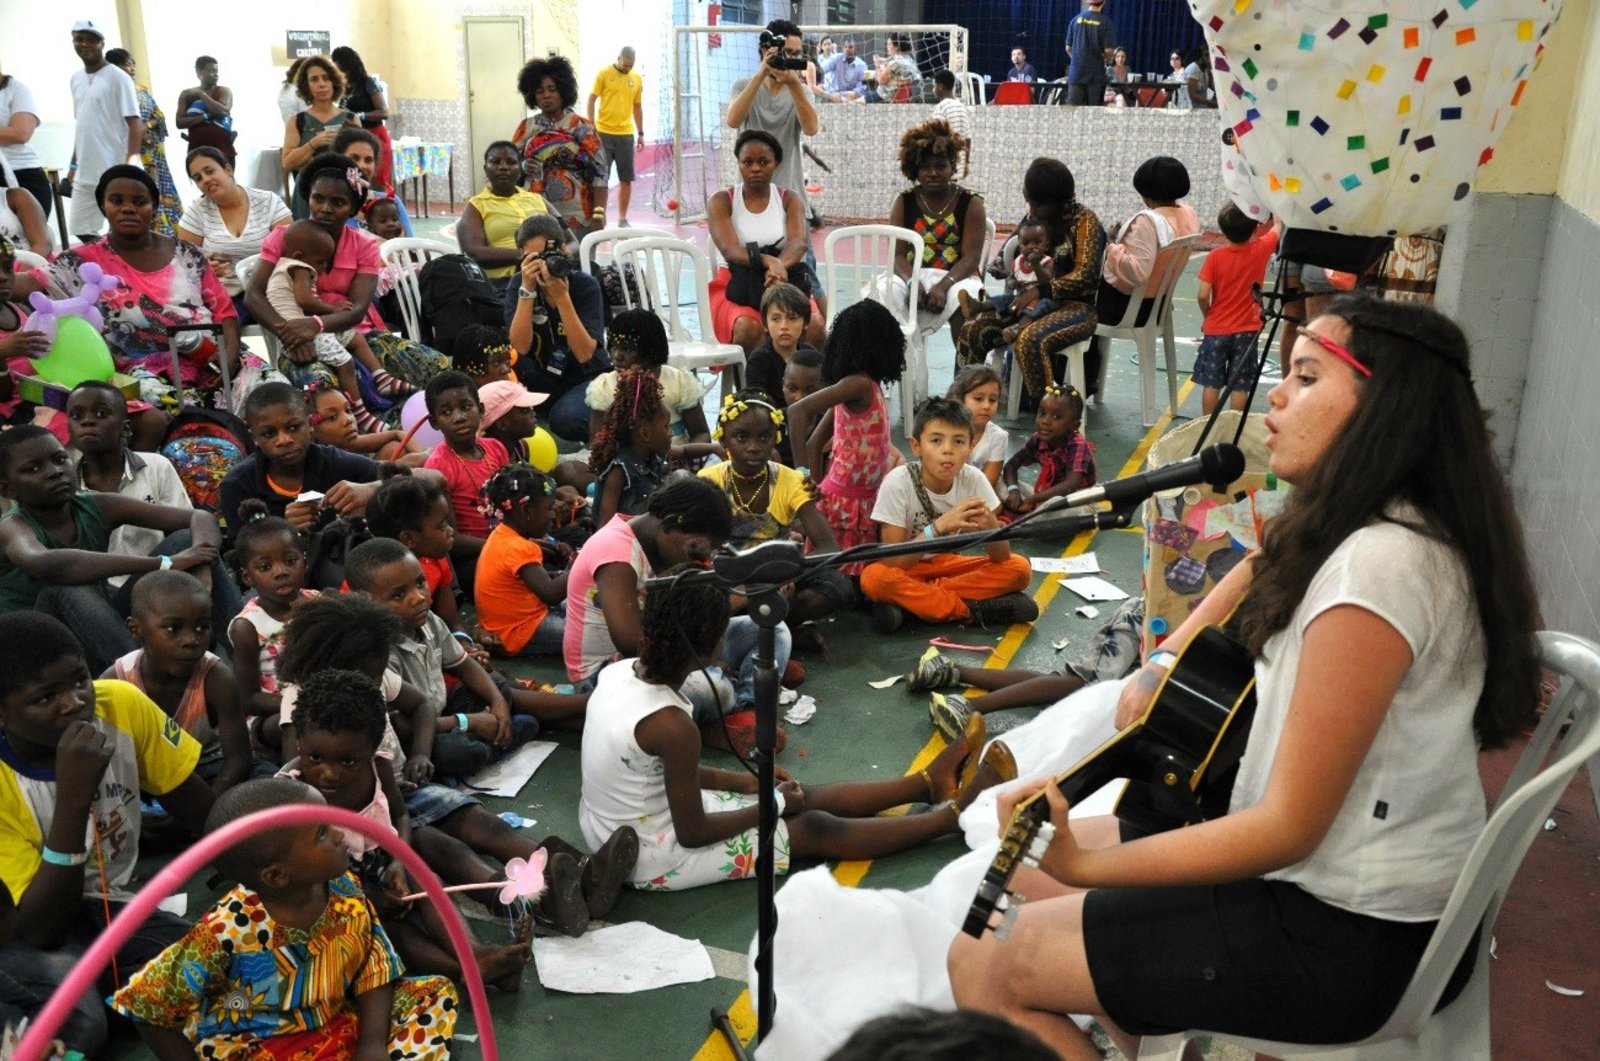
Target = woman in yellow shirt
(488,228)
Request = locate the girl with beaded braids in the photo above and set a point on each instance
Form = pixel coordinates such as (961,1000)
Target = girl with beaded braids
(636,338)
(563,158)
(519,600)
(950,219)
(696,823)
(631,450)
(771,500)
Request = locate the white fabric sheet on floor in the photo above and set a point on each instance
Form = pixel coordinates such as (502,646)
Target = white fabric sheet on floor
(846,955)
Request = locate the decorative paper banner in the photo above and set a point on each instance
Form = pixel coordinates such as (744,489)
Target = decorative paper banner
(1370,118)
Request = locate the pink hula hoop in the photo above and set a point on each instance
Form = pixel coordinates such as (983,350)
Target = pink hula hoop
(81,981)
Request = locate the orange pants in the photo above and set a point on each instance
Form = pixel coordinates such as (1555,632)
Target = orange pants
(936,588)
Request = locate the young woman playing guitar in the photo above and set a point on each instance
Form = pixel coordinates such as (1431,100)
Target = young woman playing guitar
(1301,914)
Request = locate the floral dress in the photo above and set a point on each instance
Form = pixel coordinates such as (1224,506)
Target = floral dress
(625,785)
(153,155)
(564,161)
(861,449)
(240,985)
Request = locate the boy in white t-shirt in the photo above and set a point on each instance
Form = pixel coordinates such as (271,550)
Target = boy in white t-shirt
(939,494)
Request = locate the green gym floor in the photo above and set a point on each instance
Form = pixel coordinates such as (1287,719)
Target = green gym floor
(860,732)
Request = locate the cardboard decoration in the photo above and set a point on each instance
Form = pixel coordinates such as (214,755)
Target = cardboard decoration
(1370,118)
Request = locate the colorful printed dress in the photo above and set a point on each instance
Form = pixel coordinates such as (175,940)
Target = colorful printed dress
(625,785)
(564,161)
(239,985)
(861,449)
(153,156)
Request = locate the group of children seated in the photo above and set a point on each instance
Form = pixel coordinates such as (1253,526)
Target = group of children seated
(330,635)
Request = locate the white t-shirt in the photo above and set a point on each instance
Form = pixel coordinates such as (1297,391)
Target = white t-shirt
(15,98)
(992,446)
(1416,806)
(954,111)
(899,506)
(151,478)
(102,103)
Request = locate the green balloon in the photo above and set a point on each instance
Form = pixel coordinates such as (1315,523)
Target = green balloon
(79,353)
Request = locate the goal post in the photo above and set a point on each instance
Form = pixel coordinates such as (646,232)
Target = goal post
(706,62)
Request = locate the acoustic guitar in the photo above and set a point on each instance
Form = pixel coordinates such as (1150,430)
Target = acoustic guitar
(1180,758)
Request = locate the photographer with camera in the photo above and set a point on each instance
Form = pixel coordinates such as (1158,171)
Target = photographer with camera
(777,102)
(557,327)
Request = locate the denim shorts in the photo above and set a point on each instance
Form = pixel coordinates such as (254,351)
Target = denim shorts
(1227,357)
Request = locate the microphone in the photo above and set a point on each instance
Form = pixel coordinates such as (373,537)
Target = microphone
(1216,465)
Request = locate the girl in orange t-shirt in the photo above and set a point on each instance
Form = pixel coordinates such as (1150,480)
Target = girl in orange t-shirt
(518,599)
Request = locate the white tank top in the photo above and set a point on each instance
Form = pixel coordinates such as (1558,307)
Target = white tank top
(621,781)
(764,229)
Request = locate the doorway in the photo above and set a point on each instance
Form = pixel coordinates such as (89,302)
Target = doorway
(494,57)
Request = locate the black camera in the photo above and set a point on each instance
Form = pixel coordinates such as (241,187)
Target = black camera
(780,61)
(557,262)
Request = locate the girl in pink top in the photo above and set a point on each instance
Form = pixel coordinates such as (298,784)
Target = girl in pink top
(865,350)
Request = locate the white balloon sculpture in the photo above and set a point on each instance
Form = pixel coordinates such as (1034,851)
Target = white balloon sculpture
(1370,118)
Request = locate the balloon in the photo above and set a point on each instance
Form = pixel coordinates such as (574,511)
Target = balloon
(414,412)
(79,353)
(542,452)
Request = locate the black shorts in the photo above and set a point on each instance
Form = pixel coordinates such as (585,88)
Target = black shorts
(620,149)
(1259,958)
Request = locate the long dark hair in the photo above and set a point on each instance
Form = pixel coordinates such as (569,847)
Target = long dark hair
(355,71)
(1417,436)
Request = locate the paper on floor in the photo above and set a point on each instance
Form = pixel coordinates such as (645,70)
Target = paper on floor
(620,959)
(1083,564)
(886,682)
(801,712)
(1094,589)
(506,777)
(177,905)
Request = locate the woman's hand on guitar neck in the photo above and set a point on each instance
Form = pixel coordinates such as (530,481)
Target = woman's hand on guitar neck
(1060,858)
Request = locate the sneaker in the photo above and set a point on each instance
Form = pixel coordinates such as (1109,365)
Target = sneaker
(887,618)
(562,907)
(794,675)
(949,712)
(1002,611)
(932,671)
(608,869)
(736,732)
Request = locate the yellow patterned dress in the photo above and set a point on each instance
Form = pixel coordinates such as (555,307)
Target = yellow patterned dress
(240,985)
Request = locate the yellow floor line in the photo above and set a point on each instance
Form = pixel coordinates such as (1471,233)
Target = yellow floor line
(742,1013)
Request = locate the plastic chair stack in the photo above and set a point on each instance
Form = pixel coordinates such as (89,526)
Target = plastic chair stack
(409,255)
(661,266)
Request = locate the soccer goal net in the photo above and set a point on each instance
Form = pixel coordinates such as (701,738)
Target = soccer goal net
(706,63)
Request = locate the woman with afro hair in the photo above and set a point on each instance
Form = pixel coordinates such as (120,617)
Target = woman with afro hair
(950,219)
(562,156)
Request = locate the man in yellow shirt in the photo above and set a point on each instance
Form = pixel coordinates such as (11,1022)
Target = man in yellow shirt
(621,122)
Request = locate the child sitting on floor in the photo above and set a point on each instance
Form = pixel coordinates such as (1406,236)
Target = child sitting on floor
(171,620)
(484,353)
(333,424)
(466,460)
(786,311)
(1057,446)
(697,824)
(978,388)
(292,292)
(939,493)
(630,451)
(292,962)
(97,427)
(270,558)
(416,513)
(770,499)
(636,338)
(509,417)
(519,601)
(802,376)
(339,717)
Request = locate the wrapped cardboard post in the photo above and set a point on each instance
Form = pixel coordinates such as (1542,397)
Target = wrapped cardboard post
(1195,536)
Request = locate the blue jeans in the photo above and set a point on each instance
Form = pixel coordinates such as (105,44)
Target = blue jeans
(28,977)
(97,614)
(567,414)
(548,636)
(738,651)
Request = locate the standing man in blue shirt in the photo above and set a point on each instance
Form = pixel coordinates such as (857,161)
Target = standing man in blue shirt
(1090,40)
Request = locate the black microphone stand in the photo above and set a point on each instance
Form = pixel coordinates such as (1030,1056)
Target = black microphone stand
(761,572)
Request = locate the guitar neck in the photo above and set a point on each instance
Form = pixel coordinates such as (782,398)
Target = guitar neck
(1107,763)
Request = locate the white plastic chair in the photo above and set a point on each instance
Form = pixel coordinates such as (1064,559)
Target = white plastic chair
(659,265)
(986,255)
(874,251)
(969,87)
(1461,1030)
(590,247)
(31,260)
(408,255)
(1164,274)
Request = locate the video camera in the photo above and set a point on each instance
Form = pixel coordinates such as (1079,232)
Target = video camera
(779,60)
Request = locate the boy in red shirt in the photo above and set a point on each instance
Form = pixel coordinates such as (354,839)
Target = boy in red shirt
(466,460)
(1232,315)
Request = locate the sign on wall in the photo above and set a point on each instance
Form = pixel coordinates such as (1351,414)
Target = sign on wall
(304,42)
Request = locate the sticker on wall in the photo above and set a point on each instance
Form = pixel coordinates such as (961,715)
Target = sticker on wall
(1369,118)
